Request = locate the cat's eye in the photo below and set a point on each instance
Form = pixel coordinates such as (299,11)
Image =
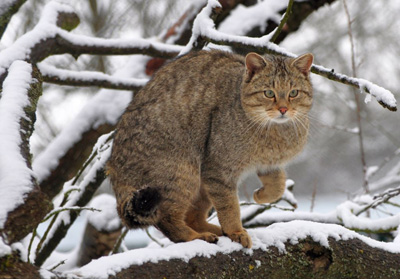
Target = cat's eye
(269,93)
(293,93)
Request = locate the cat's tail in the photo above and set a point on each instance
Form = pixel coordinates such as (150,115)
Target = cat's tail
(141,209)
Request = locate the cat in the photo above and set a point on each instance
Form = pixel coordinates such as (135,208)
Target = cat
(200,125)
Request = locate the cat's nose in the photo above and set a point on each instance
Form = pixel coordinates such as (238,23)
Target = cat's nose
(283,110)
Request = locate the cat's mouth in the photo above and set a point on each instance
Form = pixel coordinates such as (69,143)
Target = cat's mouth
(280,119)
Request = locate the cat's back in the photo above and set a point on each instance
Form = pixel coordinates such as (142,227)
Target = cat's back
(171,115)
(202,74)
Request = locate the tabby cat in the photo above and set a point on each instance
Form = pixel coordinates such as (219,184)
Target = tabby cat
(204,122)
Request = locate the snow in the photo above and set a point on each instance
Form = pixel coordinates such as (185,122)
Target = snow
(276,235)
(44,29)
(16,178)
(107,219)
(243,19)
(347,210)
(381,94)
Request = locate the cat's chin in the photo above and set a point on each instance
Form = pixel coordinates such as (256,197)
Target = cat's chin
(280,119)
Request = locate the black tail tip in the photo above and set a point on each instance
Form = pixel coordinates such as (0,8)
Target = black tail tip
(145,201)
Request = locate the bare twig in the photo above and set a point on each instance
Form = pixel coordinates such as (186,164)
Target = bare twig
(57,265)
(357,100)
(283,21)
(153,238)
(380,199)
(75,208)
(261,208)
(118,243)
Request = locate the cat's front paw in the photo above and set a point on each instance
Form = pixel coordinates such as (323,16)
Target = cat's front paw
(241,237)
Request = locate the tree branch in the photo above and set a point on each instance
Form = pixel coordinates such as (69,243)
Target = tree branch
(18,105)
(50,37)
(319,251)
(54,75)
(5,17)
(283,21)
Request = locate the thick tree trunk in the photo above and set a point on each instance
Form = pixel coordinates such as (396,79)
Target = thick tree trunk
(308,259)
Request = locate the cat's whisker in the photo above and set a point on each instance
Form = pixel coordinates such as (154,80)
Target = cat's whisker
(295,127)
(301,121)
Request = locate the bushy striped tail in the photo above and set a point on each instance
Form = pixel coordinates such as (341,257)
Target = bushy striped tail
(141,211)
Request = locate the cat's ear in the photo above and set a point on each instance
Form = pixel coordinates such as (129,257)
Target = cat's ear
(254,63)
(303,63)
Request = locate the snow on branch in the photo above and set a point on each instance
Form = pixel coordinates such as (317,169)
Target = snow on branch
(54,75)
(16,177)
(19,192)
(50,37)
(347,214)
(270,247)
(80,44)
(204,29)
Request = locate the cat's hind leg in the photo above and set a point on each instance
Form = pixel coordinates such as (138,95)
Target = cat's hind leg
(273,186)
(196,216)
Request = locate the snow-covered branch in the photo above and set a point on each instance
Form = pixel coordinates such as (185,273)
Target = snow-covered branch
(347,214)
(52,74)
(50,36)
(22,204)
(307,249)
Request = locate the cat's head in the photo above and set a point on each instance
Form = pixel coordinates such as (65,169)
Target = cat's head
(277,89)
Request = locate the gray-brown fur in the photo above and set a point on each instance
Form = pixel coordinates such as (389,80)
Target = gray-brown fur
(196,129)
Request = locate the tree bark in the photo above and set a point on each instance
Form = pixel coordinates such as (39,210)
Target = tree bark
(308,259)
(350,259)
(22,220)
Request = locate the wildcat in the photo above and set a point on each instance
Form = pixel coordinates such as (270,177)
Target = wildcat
(202,123)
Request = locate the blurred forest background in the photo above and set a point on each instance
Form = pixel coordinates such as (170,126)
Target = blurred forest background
(331,163)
